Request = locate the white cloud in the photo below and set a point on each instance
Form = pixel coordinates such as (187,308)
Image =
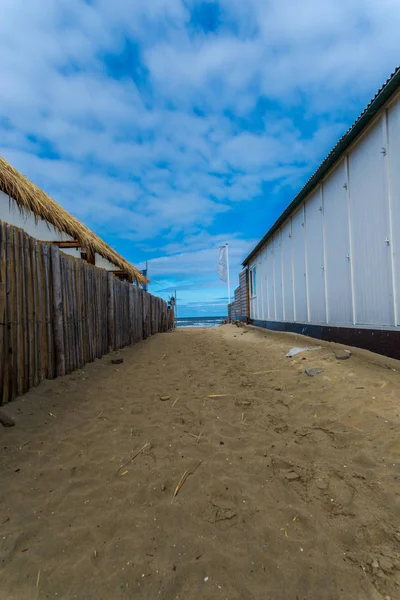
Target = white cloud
(165,150)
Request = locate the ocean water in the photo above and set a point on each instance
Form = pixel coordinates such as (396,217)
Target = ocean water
(200,321)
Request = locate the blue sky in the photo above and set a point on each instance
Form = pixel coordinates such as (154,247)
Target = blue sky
(172,126)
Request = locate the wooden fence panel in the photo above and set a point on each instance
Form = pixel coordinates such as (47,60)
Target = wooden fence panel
(57,313)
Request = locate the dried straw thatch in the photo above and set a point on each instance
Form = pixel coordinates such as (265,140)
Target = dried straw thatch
(31,199)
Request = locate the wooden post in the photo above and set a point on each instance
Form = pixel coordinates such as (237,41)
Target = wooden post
(110,311)
(58,312)
(49,328)
(19,312)
(131,292)
(9,372)
(144,314)
(2,331)
(39,311)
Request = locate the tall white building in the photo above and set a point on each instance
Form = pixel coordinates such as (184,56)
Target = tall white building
(330,265)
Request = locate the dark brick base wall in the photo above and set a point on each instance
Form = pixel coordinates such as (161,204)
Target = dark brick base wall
(381,341)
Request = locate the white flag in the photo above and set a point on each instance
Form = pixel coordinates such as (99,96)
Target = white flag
(222,265)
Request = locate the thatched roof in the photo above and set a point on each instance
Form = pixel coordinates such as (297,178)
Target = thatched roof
(31,199)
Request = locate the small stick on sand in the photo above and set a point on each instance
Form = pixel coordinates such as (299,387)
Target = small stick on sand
(181,482)
(183,479)
(243,421)
(133,457)
(196,437)
(175,401)
(38,579)
(26,443)
(217,395)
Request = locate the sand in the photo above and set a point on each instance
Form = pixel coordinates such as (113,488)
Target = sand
(291,490)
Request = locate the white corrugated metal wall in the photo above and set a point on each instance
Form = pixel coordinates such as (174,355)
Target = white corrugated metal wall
(336,259)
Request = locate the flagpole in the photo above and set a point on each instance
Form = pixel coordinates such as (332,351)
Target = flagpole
(229,277)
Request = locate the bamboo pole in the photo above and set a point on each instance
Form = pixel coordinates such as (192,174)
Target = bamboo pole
(71,324)
(28,314)
(131,328)
(39,311)
(79,274)
(100,316)
(144,319)
(136,313)
(64,286)
(85,333)
(8,372)
(92,325)
(18,310)
(13,322)
(47,304)
(74,313)
(58,312)
(140,313)
(92,292)
(2,328)
(96,314)
(110,311)
(88,313)
(3,317)
(32,252)
(117,310)
(105,297)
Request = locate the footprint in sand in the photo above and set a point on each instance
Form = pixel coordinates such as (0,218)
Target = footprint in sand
(221,511)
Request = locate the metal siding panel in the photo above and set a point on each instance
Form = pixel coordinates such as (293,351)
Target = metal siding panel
(253,299)
(266,294)
(287,271)
(394,187)
(237,302)
(315,257)
(278,276)
(271,282)
(259,286)
(370,227)
(337,247)
(299,266)
(263,283)
(243,284)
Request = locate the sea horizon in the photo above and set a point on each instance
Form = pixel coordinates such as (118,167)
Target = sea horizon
(200,322)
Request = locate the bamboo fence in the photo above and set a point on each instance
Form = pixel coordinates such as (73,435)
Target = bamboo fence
(58,313)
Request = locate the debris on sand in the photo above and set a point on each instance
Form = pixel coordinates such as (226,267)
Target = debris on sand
(117,361)
(132,458)
(292,476)
(342,354)
(297,350)
(165,398)
(313,372)
(183,479)
(181,482)
(5,420)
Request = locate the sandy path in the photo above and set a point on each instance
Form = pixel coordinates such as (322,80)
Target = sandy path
(297,495)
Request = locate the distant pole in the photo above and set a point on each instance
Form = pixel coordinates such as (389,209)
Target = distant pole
(146,287)
(176,307)
(229,276)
